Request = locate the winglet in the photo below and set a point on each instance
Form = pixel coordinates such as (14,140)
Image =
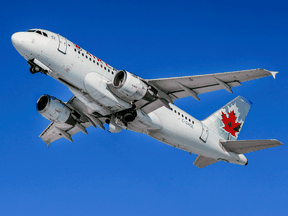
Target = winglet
(47,144)
(273,73)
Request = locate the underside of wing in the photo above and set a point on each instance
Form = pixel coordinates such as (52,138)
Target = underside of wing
(179,87)
(56,131)
(82,120)
(246,146)
(202,161)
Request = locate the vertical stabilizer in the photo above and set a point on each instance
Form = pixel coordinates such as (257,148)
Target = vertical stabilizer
(228,121)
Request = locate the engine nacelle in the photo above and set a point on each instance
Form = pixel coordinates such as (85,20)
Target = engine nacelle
(131,86)
(53,109)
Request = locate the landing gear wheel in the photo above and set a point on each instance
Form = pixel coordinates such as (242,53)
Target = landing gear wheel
(36,69)
(32,70)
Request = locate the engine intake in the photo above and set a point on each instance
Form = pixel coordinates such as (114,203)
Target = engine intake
(131,86)
(55,110)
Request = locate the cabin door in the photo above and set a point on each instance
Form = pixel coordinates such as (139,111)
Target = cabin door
(204,134)
(62,47)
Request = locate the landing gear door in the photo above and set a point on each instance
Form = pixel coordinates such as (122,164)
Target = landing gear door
(62,44)
(204,134)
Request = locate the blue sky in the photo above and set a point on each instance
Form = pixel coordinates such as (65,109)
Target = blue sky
(130,173)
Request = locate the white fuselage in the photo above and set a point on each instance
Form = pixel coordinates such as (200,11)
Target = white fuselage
(87,77)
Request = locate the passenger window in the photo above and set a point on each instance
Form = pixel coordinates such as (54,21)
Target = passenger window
(189,120)
(90,59)
(45,34)
(182,115)
(93,61)
(186,117)
(175,111)
(112,72)
(97,63)
(178,113)
(108,70)
(104,68)
(82,54)
(101,66)
(78,52)
(86,56)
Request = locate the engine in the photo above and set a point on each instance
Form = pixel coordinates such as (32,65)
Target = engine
(132,87)
(55,110)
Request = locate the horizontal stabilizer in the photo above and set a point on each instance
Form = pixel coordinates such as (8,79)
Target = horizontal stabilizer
(202,161)
(245,146)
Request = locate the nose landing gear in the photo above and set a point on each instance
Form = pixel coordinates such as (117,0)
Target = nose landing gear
(36,66)
(34,69)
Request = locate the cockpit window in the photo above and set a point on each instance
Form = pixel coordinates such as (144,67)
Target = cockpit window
(38,32)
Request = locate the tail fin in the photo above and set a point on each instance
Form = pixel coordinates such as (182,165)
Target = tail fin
(228,121)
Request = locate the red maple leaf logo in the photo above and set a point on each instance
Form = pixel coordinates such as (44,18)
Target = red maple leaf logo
(230,123)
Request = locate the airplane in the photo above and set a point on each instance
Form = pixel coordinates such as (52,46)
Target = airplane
(105,95)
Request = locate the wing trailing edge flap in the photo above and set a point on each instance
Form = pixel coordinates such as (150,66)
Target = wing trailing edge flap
(246,146)
(202,161)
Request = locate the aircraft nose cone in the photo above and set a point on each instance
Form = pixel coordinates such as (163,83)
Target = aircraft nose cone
(16,39)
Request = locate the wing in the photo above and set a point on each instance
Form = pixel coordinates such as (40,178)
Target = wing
(202,161)
(246,146)
(57,130)
(179,87)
